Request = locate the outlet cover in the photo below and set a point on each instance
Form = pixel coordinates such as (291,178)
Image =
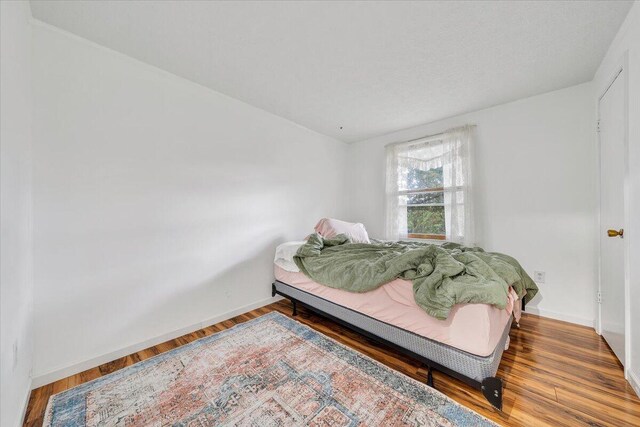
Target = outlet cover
(539,276)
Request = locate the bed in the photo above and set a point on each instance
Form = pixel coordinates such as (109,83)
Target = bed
(468,345)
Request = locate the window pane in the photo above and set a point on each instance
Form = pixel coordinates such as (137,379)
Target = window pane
(425,220)
(425,198)
(418,178)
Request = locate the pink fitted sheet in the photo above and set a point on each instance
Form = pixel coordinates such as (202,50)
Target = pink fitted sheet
(475,328)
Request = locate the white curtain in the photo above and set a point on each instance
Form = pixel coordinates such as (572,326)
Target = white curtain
(395,219)
(453,152)
(458,195)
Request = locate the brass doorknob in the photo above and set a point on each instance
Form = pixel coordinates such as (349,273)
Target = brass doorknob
(616,233)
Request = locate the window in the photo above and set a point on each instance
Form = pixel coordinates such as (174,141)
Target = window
(424,202)
(428,182)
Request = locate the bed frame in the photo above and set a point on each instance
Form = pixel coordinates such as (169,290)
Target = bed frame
(477,371)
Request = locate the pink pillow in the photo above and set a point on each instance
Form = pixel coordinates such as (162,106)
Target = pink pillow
(329,227)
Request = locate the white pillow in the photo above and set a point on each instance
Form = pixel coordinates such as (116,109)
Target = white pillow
(284,256)
(329,227)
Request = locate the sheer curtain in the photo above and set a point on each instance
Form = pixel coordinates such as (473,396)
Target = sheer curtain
(395,219)
(452,151)
(458,195)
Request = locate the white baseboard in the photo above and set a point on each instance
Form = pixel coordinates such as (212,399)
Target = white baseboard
(634,380)
(25,403)
(54,375)
(561,316)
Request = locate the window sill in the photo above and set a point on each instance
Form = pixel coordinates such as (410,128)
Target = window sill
(431,241)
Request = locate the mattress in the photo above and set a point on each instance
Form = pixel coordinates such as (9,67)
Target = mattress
(473,328)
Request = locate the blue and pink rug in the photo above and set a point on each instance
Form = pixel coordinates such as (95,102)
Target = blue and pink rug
(270,371)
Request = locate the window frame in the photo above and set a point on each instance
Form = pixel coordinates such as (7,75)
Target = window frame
(458,150)
(426,237)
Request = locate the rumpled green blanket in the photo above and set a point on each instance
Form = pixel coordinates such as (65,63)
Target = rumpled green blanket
(442,275)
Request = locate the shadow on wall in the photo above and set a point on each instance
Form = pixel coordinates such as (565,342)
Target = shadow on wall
(243,283)
(535,301)
(176,306)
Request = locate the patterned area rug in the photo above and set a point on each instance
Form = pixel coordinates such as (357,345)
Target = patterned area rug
(270,371)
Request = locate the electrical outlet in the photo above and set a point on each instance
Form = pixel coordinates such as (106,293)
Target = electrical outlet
(539,276)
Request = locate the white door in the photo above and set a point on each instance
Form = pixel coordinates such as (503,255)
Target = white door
(612,124)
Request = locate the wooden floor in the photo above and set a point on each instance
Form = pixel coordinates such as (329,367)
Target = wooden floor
(555,373)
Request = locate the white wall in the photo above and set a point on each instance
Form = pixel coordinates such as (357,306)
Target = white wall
(534,177)
(16,279)
(627,42)
(157,203)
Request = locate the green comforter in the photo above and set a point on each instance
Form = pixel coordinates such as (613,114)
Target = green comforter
(442,275)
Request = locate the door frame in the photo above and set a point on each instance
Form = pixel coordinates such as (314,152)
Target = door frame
(620,71)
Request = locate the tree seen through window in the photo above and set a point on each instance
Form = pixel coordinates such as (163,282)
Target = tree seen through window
(425,207)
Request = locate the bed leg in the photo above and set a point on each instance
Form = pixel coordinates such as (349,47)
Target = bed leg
(295,308)
(273,290)
(492,391)
(430,377)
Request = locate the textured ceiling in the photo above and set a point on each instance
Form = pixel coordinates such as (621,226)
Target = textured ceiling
(370,68)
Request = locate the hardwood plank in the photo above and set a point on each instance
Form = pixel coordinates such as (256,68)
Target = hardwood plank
(113,366)
(89,375)
(604,408)
(38,402)
(555,373)
(147,353)
(60,386)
